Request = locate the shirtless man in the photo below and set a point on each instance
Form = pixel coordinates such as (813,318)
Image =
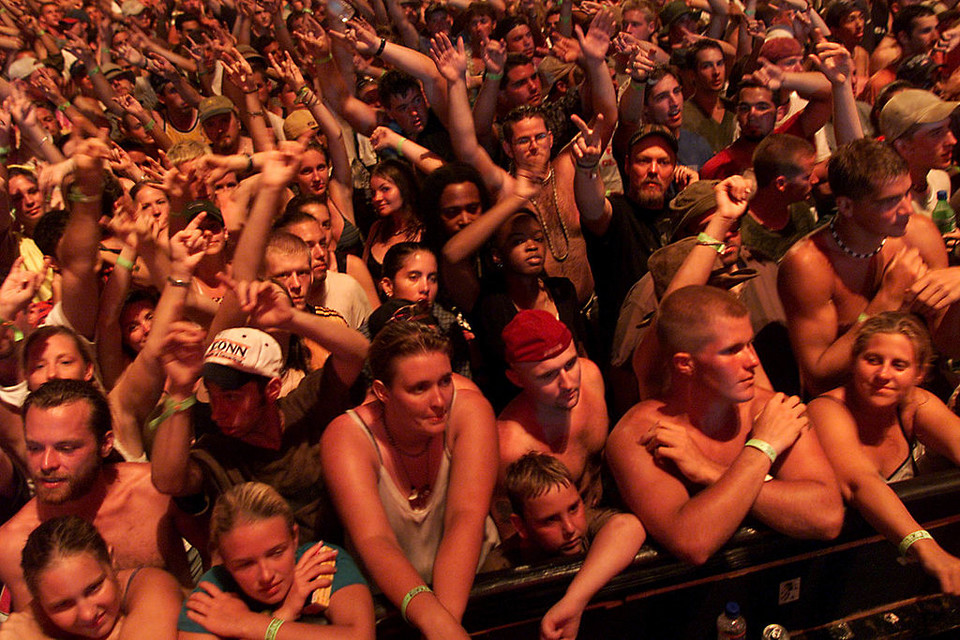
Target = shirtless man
(527,141)
(561,409)
(876,255)
(68,433)
(693,465)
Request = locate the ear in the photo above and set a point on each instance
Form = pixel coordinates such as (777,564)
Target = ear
(387,286)
(844,206)
(782,110)
(513,376)
(683,363)
(106,447)
(507,149)
(520,526)
(380,390)
(88,374)
(780,183)
(272,391)
(296,535)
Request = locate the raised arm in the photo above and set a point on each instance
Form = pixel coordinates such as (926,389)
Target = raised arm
(588,189)
(451,61)
(269,308)
(593,48)
(833,60)
(810,85)
(79,254)
(140,386)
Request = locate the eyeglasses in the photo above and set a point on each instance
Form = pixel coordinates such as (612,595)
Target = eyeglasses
(526,140)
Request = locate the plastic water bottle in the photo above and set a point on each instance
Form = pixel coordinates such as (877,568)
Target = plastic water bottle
(730,624)
(943,215)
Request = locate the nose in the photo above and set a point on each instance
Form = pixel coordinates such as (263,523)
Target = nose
(569,529)
(752,360)
(951,139)
(266,575)
(86,611)
(49,460)
(463,220)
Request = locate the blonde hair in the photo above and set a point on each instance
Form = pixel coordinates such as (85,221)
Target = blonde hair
(904,324)
(533,475)
(247,502)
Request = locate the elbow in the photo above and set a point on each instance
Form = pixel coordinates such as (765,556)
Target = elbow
(167,483)
(694,555)
(829,519)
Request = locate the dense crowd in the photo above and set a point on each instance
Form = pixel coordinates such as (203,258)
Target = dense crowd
(304,302)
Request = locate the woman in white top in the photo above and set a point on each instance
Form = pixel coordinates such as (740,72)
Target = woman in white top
(412,473)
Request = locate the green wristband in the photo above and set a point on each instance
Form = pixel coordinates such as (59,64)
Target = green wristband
(272,629)
(400,146)
(410,596)
(910,538)
(706,240)
(64,106)
(124,263)
(764,446)
(493,76)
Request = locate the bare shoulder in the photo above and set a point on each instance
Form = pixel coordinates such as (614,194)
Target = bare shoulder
(805,257)
(634,423)
(591,378)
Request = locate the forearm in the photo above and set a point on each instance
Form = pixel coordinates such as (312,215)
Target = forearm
(471,238)
(457,559)
(421,157)
(339,159)
(707,520)
(604,98)
(846,122)
(253,240)
(612,551)
(484,109)
(347,347)
(719,16)
(591,202)
(797,508)
(170,457)
(263,140)
(698,265)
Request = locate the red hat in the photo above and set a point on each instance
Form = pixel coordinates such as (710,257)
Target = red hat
(534,335)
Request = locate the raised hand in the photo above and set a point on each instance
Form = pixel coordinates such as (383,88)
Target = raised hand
(494,56)
(384,138)
(188,246)
(641,64)
(833,60)
(733,195)
(18,289)
(266,303)
(768,74)
(587,146)
(280,165)
(596,42)
(451,60)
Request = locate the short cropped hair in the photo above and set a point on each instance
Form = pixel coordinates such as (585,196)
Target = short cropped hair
(396,84)
(533,475)
(681,324)
(517,114)
(58,392)
(186,150)
(287,244)
(779,154)
(697,47)
(860,167)
(903,21)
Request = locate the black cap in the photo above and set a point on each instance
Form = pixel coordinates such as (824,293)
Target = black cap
(197,207)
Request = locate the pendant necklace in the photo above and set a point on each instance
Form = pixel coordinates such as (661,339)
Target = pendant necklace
(418,496)
(551,178)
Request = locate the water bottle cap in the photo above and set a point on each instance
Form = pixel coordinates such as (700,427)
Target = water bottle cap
(941,195)
(732,609)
